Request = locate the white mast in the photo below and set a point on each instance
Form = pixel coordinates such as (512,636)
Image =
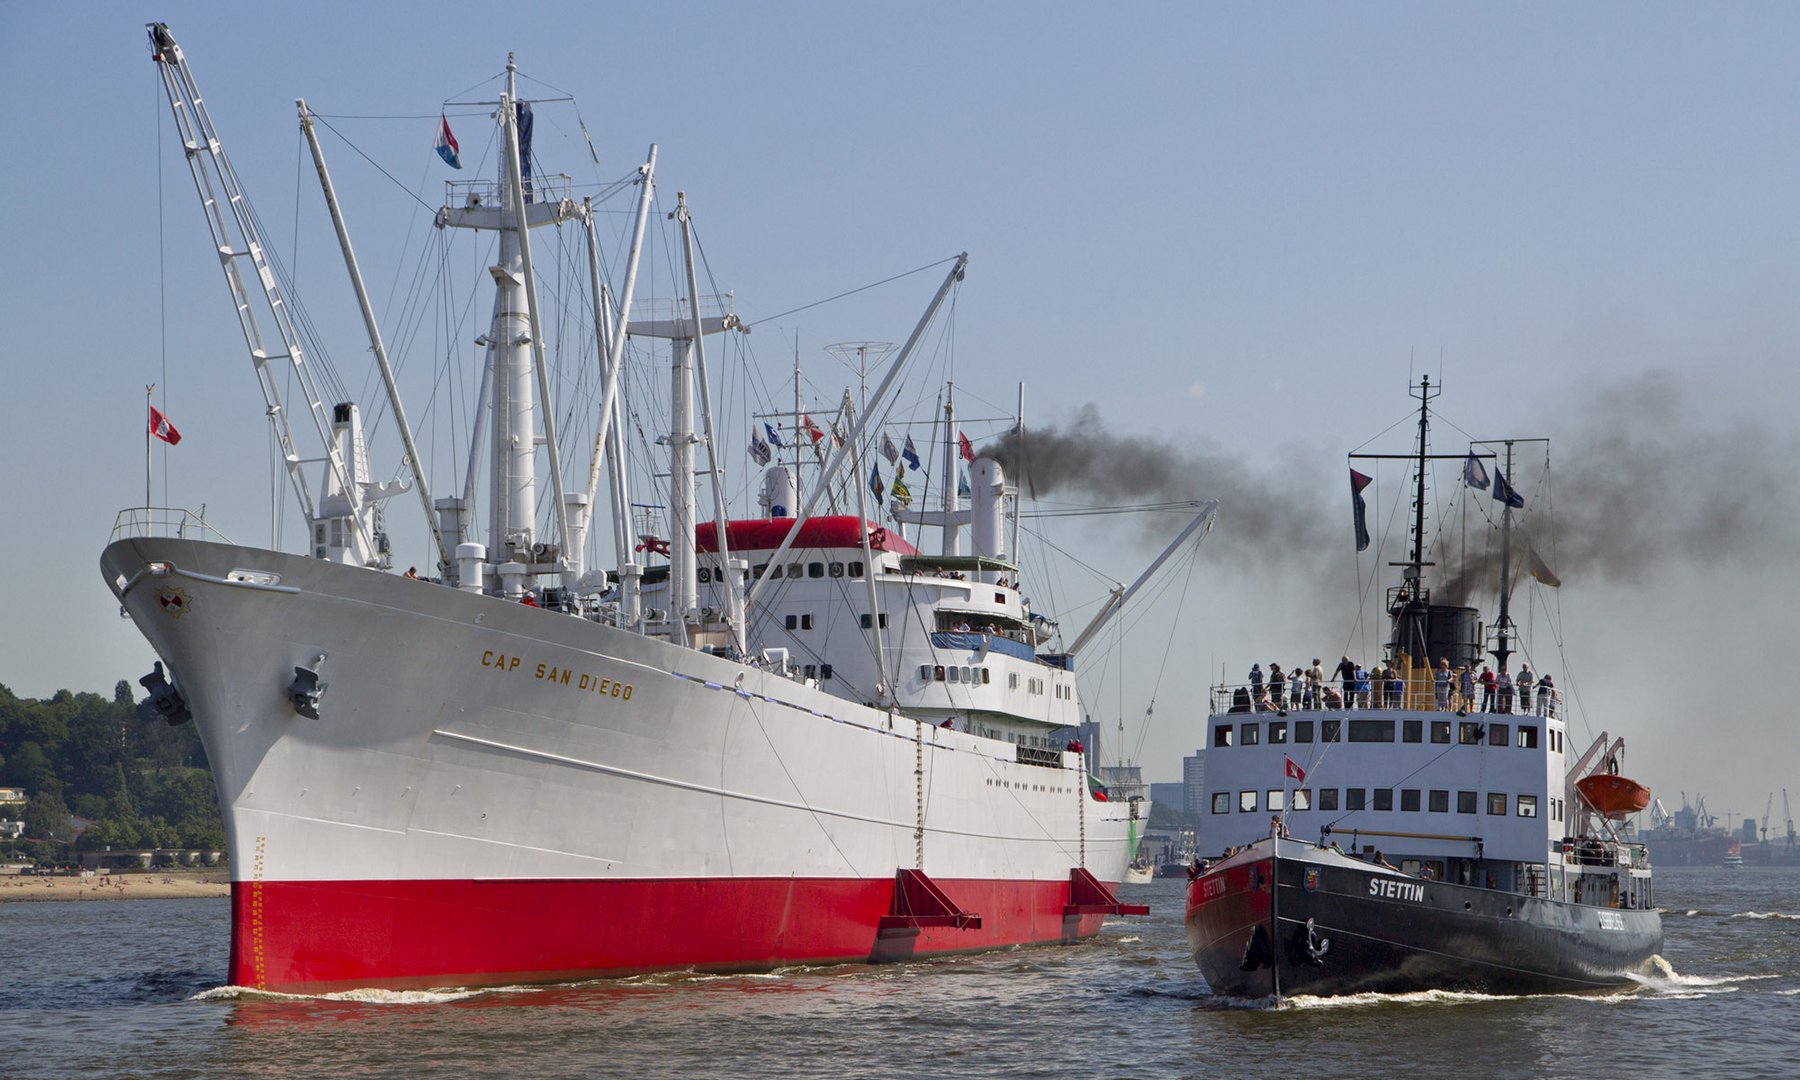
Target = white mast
(947,497)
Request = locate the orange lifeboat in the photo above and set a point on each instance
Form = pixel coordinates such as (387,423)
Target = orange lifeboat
(1613,796)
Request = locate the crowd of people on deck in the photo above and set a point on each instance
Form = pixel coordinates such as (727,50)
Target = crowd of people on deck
(1460,689)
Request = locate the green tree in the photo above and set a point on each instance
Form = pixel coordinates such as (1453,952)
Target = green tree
(30,768)
(46,817)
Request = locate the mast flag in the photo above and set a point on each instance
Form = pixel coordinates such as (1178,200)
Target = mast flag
(889,450)
(1474,474)
(875,482)
(1504,493)
(446,144)
(1292,769)
(774,436)
(968,451)
(911,455)
(759,450)
(1539,569)
(1357,482)
(162,428)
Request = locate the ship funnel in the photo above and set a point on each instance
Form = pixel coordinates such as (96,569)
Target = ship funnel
(777,497)
(987,482)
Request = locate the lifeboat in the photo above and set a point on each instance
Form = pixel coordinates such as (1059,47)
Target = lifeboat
(1613,796)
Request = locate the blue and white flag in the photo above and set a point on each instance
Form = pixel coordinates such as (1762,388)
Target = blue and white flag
(911,455)
(888,450)
(1473,474)
(962,483)
(759,450)
(1504,493)
(774,436)
(446,144)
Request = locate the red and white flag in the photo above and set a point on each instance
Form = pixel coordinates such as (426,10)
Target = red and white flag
(1294,771)
(968,451)
(162,428)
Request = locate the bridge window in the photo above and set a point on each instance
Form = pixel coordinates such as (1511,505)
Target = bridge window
(1469,733)
(1277,800)
(1278,731)
(1328,798)
(1527,806)
(1465,802)
(1440,731)
(1439,801)
(1355,798)
(1409,800)
(1499,734)
(1222,735)
(1384,798)
(1412,731)
(1221,802)
(1303,799)
(1331,730)
(1303,731)
(1246,802)
(1497,803)
(1249,734)
(1527,737)
(1371,731)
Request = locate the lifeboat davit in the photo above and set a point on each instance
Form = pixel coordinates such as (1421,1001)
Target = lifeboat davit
(1613,796)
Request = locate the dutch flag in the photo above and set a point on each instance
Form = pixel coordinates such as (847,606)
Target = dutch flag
(446,143)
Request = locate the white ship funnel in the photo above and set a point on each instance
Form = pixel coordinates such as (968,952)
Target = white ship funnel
(777,498)
(987,481)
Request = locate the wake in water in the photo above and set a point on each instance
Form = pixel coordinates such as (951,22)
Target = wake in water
(366,996)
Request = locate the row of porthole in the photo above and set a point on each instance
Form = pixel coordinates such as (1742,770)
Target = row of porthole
(940,673)
(1027,787)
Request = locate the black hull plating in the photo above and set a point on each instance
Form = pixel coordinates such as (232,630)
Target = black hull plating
(1344,929)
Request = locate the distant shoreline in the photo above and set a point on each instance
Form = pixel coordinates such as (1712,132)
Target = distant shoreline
(151,886)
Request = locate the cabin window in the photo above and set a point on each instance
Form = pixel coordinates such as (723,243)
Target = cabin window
(1371,731)
(986,677)
(1331,730)
(1278,731)
(1412,731)
(925,672)
(775,574)
(1440,731)
(812,671)
(1384,798)
(1012,680)
(1246,802)
(937,673)
(1328,798)
(1499,734)
(1497,803)
(1355,798)
(856,568)
(1277,800)
(824,671)
(1465,802)
(792,622)
(869,622)
(1469,733)
(837,569)
(1221,802)
(956,674)
(1303,731)
(1409,800)
(1439,801)
(1527,737)
(1303,799)
(793,570)
(1527,806)
(1222,735)
(704,574)
(1249,734)
(816,569)
(806,621)
(759,570)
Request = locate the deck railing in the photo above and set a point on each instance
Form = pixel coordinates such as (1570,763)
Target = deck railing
(166,522)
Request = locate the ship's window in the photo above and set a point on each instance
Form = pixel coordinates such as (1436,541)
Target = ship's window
(1497,803)
(824,671)
(1222,735)
(1527,806)
(1440,731)
(968,674)
(815,569)
(986,676)
(1246,802)
(759,570)
(925,672)
(1331,730)
(1412,730)
(937,673)
(1277,801)
(882,621)
(775,574)
(1384,798)
(1221,802)
(1328,798)
(856,568)
(1249,734)
(1354,798)
(1278,731)
(793,569)
(999,598)
(956,674)
(1371,731)
(1469,733)
(1499,734)
(1439,801)
(837,569)
(792,622)
(704,574)
(1409,800)
(1012,680)
(1527,737)
(1465,802)
(1303,799)
(812,671)
(806,621)
(1303,731)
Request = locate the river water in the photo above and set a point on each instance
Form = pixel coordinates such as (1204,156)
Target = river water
(131,988)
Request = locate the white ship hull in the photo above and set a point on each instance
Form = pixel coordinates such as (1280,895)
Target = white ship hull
(494,792)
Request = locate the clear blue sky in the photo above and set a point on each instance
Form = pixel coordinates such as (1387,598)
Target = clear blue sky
(1239,230)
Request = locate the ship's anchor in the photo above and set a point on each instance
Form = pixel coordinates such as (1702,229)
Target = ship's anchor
(165,700)
(1256,951)
(1316,947)
(306,689)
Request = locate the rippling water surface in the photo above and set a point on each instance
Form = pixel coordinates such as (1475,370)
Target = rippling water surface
(132,988)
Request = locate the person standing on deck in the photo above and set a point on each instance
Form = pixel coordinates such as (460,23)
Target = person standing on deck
(1524,683)
(1504,683)
(1441,684)
(1487,689)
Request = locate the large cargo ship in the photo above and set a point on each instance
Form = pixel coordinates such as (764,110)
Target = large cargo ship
(794,738)
(1391,831)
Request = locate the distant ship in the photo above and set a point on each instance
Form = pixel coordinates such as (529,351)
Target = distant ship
(1389,837)
(800,739)
(1691,836)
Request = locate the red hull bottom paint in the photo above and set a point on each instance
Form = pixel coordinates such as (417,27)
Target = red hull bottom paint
(319,936)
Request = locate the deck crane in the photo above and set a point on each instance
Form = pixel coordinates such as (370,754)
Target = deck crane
(1787,812)
(1768,808)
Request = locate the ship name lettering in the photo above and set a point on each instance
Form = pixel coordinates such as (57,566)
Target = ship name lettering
(605,687)
(499,661)
(1390,889)
(553,673)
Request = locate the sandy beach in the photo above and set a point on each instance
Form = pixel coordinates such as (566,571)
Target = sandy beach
(152,886)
